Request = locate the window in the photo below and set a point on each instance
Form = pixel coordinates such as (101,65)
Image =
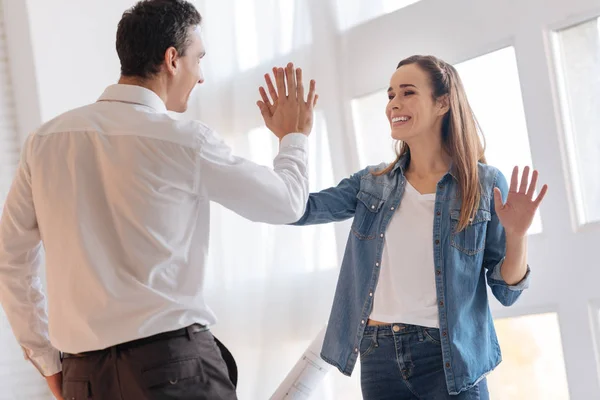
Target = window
(498,106)
(266,29)
(532,357)
(319,245)
(354,12)
(496,103)
(373,135)
(577,53)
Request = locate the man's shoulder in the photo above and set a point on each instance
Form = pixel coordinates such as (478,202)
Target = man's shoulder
(114,122)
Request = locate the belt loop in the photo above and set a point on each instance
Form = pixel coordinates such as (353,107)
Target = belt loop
(375,336)
(190,333)
(113,352)
(420,333)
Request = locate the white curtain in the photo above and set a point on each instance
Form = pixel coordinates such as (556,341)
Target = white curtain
(272,286)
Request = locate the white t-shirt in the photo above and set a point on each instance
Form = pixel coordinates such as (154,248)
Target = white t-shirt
(406,290)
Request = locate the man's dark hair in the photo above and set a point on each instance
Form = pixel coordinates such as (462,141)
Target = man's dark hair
(148,29)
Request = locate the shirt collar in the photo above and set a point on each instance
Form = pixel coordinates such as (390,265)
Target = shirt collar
(135,95)
(403,161)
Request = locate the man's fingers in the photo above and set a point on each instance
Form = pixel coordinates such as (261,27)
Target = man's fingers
(280,82)
(270,86)
(291,81)
(265,98)
(311,92)
(264,110)
(300,85)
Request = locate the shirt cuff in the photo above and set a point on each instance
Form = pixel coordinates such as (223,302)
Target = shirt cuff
(47,364)
(299,140)
(497,279)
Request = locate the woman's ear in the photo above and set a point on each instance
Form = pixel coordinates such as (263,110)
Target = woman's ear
(443,104)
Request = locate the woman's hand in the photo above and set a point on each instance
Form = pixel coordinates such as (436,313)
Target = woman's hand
(516,215)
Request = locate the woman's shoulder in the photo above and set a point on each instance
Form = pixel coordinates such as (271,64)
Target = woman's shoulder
(491,177)
(371,170)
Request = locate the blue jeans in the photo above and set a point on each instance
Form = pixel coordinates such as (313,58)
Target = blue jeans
(401,362)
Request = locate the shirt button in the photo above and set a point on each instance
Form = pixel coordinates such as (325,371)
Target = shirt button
(371,294)
(377,264)
(372,207)
(381,235)
(356,350)
(396,328)
(392,208)
(362,322)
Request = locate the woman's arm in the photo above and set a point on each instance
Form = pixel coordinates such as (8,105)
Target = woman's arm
(334,204)
(505,257)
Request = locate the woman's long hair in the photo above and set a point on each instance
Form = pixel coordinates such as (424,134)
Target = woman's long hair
(460,132)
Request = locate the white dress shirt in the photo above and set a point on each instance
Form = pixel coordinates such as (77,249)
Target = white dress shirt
(118,193)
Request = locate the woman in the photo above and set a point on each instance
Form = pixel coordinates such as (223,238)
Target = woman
(411,297)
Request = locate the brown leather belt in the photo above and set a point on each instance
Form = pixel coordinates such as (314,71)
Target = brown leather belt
(190,330)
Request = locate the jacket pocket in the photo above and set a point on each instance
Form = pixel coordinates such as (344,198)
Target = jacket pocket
(367,212)
(470,240)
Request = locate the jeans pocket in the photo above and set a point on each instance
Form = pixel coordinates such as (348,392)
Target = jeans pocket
(367,345)
(433,335)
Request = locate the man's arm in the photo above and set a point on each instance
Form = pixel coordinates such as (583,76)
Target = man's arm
(21,293)
(278,195)
(274,195)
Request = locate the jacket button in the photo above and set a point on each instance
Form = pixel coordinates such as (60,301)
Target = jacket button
(447,365)
(441,303)
(437,242)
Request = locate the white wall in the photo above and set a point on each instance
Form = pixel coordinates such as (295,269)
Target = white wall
(73,45)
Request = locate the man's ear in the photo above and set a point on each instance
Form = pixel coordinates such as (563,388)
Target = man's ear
(443,103)
(172,60)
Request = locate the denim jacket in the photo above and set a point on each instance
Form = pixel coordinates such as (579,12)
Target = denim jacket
(462,260)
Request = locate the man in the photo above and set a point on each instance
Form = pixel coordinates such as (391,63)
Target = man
(118,193)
